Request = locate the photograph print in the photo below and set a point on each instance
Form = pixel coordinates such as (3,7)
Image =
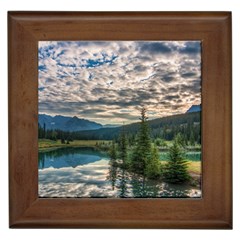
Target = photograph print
(119,119)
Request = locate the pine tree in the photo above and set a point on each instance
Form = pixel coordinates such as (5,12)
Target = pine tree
(40,131)
(113,151)
(122,183)
(113,165)
(192,140)
(54,135)
(123,147)
(44,130)
(142,151)
(153,166)
(180,140)
(176,169)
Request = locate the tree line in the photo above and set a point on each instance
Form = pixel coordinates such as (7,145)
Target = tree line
(187,126)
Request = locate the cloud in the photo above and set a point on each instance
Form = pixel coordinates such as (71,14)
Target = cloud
(87,180)
(155,48)
(96,79)
(188,74)
(140,68)
(191,48)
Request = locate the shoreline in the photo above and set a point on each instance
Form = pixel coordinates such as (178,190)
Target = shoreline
(45,145)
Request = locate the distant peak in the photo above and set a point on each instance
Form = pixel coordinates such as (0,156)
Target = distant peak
(68,123)
(194,108)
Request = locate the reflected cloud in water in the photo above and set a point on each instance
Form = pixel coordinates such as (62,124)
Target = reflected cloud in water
(82,181)
(70,174)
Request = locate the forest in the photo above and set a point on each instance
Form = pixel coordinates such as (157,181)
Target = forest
(187,125)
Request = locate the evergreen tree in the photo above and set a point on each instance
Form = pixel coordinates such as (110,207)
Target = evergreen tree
(54,135)
(180,140)
(199,139)
(113,165)
(192,140)
(44,130)
(123,147)
(176,169)
(160,142)
(138,186)
(153,166)
(142,151)
(122,183)
(185,140)
(113,151)
(40,131)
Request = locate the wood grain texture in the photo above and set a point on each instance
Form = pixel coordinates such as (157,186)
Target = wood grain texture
(213,211)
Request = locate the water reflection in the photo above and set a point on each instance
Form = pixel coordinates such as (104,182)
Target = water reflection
(86,172)
(69,157)
(119,181)
(132,185)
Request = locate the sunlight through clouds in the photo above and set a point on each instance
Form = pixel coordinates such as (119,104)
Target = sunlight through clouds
(108,81)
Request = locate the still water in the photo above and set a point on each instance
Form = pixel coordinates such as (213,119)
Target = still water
(87,172)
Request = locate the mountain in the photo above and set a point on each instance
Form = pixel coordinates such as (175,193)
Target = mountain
(67,123)
(188,124)
(111,125)
(194,108)
(165,127)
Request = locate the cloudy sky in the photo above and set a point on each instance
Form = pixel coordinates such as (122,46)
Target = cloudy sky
(109,81)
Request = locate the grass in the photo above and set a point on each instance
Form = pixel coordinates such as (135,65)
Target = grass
(45,144)
(194,167)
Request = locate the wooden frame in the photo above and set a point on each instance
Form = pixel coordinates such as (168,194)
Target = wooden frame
(213,210)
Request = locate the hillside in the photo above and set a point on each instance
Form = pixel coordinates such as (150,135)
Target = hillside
(166,128)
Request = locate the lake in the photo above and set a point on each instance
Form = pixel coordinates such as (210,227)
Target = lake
(86,172)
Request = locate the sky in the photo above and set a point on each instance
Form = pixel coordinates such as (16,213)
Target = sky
(109,81)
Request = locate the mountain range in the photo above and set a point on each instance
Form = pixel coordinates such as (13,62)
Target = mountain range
(67,123)
(70,123)
(73,124)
